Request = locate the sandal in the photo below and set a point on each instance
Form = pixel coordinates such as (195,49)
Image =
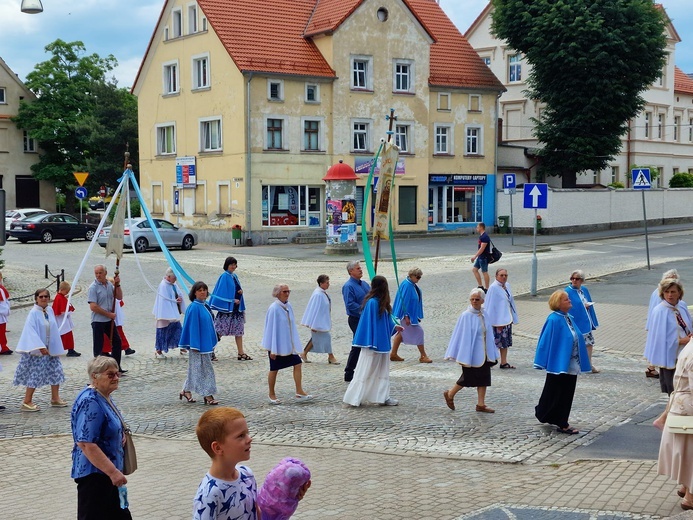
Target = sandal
(507,365)
(244,357)
(449,400)
(210,400)
(652,372)
(214,357)
(188,396)
(568,430)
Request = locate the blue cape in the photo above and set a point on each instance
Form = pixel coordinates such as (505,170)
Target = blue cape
(374,330)
(579,312)
(408,303)
(198,328)
(555,346)
(224,292)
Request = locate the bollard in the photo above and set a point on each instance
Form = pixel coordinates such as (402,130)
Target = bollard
(46,273)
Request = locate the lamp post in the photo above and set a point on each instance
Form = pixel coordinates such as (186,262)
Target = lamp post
(32,6)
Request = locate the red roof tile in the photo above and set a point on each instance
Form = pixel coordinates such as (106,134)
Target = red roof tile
(329,14)
(682,82)
(267,38)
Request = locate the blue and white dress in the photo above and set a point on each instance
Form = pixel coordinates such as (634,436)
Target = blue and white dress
(200,338)
(218,499)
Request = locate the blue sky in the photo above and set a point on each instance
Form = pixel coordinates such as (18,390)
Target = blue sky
(123,28)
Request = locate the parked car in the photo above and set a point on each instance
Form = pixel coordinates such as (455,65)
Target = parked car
(51,226)
(13,215)
(137,231)
(99,202)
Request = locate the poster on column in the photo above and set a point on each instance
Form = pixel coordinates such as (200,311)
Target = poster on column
(341,221)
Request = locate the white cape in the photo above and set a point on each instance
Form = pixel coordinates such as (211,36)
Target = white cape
(317,313)
(467,345)
(165,305)
(281,335)
(41,333)
(500,309)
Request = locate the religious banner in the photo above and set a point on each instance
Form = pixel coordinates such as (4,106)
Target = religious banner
(386,180)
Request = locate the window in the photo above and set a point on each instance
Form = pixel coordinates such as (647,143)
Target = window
(275,134)
(311,135)
(677,127)
(29,143)
(443,140)
(407,205)
(171,80)
(200,70)
(360,133)
(210,135)
(275,90)
(402,139)
(362,73)
(660,126)
(165,33)
(486,60)
(204,23)
(403,76)
(514,68)
(444,101)
(177,23)
(675,171)
(292,205)
(192,19)
(473,141)
(166,139)
(648,122)
(312,93)
(474,103)
(3,96)
(690,130)
(614,174)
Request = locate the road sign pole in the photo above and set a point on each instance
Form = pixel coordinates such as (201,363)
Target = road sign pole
(647,241)
(512,231)
(533,286)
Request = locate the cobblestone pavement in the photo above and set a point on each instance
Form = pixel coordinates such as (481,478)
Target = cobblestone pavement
(417,460)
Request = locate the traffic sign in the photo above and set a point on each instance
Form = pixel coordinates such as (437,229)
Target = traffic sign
(508,180)
(81,177)
(176,197)
(81,192)
(536,196)
(641,178)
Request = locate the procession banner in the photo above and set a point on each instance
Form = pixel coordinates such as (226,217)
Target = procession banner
(384,188)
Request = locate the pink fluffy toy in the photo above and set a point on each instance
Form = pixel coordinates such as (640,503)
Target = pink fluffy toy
(284,486)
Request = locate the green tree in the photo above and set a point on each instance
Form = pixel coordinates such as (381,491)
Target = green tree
(591,61)
(681,180)
(81,119)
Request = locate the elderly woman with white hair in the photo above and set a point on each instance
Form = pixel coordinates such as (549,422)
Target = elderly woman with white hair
(168,307)
(282,342)
(582,311)
(472,345)
(656,299)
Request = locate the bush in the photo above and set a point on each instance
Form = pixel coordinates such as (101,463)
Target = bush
(681,180)
(617,185)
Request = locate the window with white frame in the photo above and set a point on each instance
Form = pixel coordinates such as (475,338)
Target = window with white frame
(192,18)
(210,134)
(360,136)
(274,134)
(166,33)
(486,60)
(614,174)
(275,90)
(3,96)
(677,128)
(312,93)
(29,143)
(443,140)
(474,103)
(514,68)
(403,76)
(403,138)
(690,130)
(311,135)
(444,101)
(660,126)
(648,122)
(473,140)
(171,79)
(200,198)
(177,21)
(166,139)
(204,23)
(200,71)
(362,73)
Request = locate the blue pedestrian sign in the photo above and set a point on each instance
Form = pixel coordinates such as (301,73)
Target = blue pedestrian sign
(641,178)
(81,193)
(508,181)
(536,196)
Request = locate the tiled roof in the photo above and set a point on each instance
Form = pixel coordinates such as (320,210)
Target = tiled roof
(267,37)
(682,82)
(454,63)
(329,14)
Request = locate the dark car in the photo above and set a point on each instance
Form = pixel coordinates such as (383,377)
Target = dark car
(47,228)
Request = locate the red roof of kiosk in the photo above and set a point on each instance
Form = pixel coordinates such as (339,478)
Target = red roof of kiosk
(340,172)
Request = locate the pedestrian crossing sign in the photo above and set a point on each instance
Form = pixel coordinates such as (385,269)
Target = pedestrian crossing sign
(641,178)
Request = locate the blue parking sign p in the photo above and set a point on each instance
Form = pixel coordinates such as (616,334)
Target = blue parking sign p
(508,180)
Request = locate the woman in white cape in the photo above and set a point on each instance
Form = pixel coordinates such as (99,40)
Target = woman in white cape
(41,348)
(317,317)
(168,307)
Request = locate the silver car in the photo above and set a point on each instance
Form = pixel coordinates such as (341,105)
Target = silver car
(13,215)
(139,233)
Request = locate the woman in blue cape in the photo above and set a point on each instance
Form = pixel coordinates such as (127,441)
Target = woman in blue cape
(583,311)
(371,380)
(409,310)
(227,300)
(200,338)
(562,353)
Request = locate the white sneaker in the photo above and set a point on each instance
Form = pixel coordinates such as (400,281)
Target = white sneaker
(390,402)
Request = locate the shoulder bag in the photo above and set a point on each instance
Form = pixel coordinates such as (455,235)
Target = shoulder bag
(679,423)
(494,254)
(129,453)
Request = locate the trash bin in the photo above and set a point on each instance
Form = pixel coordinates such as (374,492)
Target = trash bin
(504,224)
(539,224)
(236,233)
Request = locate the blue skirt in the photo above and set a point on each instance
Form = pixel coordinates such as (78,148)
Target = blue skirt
(168,337)
(38,371)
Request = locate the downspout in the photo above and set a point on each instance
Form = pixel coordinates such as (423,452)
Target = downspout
(497,136)
(248,170)
(628,154)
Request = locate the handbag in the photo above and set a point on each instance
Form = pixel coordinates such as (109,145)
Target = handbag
(679,423)
(129,453)
(494,255)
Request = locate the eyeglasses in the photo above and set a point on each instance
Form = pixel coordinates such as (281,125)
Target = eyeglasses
(110,375)
(43,296)
(474,299)
(286,292)
(503,275)
(418,277)
(577,278)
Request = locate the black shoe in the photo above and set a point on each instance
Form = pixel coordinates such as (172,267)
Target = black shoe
(73,353)
(130,352)
(6,352)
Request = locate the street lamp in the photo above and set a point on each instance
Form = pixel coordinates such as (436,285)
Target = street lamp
(32,6)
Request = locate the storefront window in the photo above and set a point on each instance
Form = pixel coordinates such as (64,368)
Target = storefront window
(455,199)
(291,206)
